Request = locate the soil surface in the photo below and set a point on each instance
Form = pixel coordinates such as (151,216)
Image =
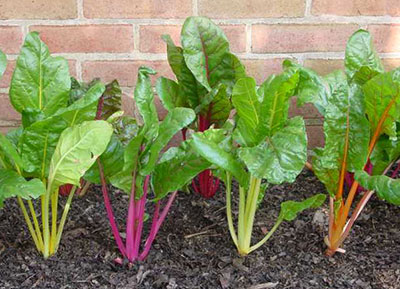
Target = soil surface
(194,250)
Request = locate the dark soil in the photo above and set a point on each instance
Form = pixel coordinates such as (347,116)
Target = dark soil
(194,250)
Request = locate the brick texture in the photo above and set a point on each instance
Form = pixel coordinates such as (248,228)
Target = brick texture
(112,38)
(137,8)
(300,38)
(386,37)
(356,7)
(251,8)
(124,71)
(10,38)
(38,9)
(151,41)
(87,38)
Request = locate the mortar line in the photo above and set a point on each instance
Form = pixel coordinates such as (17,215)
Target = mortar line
(79,7)
(321,19)
(195,8)
(248,38)
(307,12)
(136,37)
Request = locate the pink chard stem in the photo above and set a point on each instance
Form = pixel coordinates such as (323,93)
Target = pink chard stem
(109,210)
(157,225)
(130,224)
(140,218)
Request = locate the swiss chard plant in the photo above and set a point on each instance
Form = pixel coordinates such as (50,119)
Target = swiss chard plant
(361,110)
(206,71)
(265,147)
(132,164)
(108,104)
(56,144)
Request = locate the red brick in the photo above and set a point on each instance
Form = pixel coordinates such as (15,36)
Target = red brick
(7,111)
(5,129)
(5,81)
(150,37)
(251,8)
(308,111)
(315,135)
(386,37)
(123,70)
(11,39)
(72,68)
(38,9)
(261,69)
(137,8)
(391,63)
(356,7)
(300,38)
(87,38)
(324,66)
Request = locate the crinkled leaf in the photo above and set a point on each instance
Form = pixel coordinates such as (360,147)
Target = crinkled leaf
(112,161)
(77,149)
(207,145)
(14,185)
(328,176)
(204,46)
(275,103)
(14,136)
(191,88)
(216,106)
(185,165)
(125,128)
(9,155)
(39,140)
(170,94)
(386,188)
(290,209)
(144,99)
(176,119)
(382,100)
(311,87)
(360,52)
(282,157)
(385,152)
(345,125)
(112,99)
(245,100)
(40,81)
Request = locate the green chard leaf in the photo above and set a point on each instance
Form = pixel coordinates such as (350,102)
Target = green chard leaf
(40,81)
(382,102)
(176,119)
(185,165)
(9,157)
(212,147)
(14,185)
(345,124)
(216,105)
(144,99)
(281,157)
(77,149)
(170,94)
(311,87)
(361,57)
(245,100)
(204,46)
(191,88)
(290,209)
(386,188)
(39,140)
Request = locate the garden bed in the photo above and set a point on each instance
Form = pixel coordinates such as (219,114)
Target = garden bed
(194,249)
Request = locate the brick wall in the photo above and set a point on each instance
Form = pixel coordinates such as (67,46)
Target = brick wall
(112,38)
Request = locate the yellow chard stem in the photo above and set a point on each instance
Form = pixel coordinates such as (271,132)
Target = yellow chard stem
(29,223)
(36,223)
